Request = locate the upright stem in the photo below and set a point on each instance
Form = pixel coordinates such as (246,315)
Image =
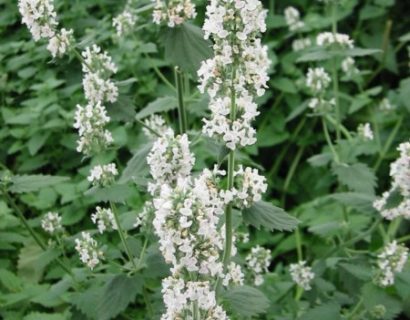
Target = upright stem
(334,73)
(329,142)
(183,122)
(122,235)
(231,166)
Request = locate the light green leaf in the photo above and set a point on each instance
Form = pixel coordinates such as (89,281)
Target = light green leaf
(374,297)
(45,316)
(360,201)
(246,301)
(186,47)
(114,193)
(264,214)
(137,166)
(325,311)
(31,183)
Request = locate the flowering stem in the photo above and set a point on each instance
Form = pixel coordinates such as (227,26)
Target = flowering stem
(33,234)
(341,127)
(329,142)
(122,234)
(183,122)
(335,78)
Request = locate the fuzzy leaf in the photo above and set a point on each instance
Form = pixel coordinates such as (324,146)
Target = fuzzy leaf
(45,316)
(264,214)
(246,301)
(360,201)
(358,177)
(374,296)
(137,166)
(118,293)
(31,183)
(114,193)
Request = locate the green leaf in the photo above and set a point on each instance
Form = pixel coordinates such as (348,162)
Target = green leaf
(361,271)
(324,311)
(45,316)
(361,52)
(31,183)
(137,166)
(358,177)
(246,301)
(316,54)
(186,47)
(114,193)
(159,105)
(264,214)
(118,293)
(394,199)
(359,201)
(374,297)
(9,280)
(284,84)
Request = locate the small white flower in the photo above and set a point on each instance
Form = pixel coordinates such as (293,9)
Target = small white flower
(103,175)
(156,123)
(317,80)
(51,222)
(88,250)
(104,219)
(390,261)
(386,105)
(292,17)
(300,44)
(124,22)
(302,274)
(327,39)
(349,67)
(60,42)
(365,131)
(258,261)
(173,12)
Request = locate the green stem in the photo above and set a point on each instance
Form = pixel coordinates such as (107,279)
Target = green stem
(183,122)
(291,173)
(388,144)
(122,234)
(329,142)
(341,127)
(393,227)
(228,212)
(159,73)
(298,244)
(356,309)
(144,248)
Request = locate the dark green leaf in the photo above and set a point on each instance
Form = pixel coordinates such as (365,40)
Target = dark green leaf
(325,311)
(360,201)
(114,193)
(358,177)
(137,166)
(31,183)
(159,105)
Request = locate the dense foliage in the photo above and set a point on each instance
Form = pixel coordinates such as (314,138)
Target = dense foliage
(81,238)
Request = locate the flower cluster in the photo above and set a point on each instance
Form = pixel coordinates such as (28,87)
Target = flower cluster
(258,261)
(237,72)
(292,17)
(300,44)
(180,296)
(124,22)
(365,131)
(104,219)
(390,261)
(248,188)
(169,159)
(90,121)
(302,274)
(51,223)
(173,12)
(41,19)
(156,123)
(400,173)
(386,105)
(349,67)
(103,175)
(88,250)
(233,275)
(330,39)
(318,80)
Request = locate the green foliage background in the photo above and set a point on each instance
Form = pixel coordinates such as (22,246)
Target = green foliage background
(333,202)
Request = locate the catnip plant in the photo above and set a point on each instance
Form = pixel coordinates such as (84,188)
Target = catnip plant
(196,124)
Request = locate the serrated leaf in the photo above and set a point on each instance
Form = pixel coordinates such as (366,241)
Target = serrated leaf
(86,301)
(264,214)
(394,199)
(137,166)
(159,105)
(358,177)
(186,47)
(359,201)
(31,183)
(361,272)
(246,301)
(325,311)
(118,293)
